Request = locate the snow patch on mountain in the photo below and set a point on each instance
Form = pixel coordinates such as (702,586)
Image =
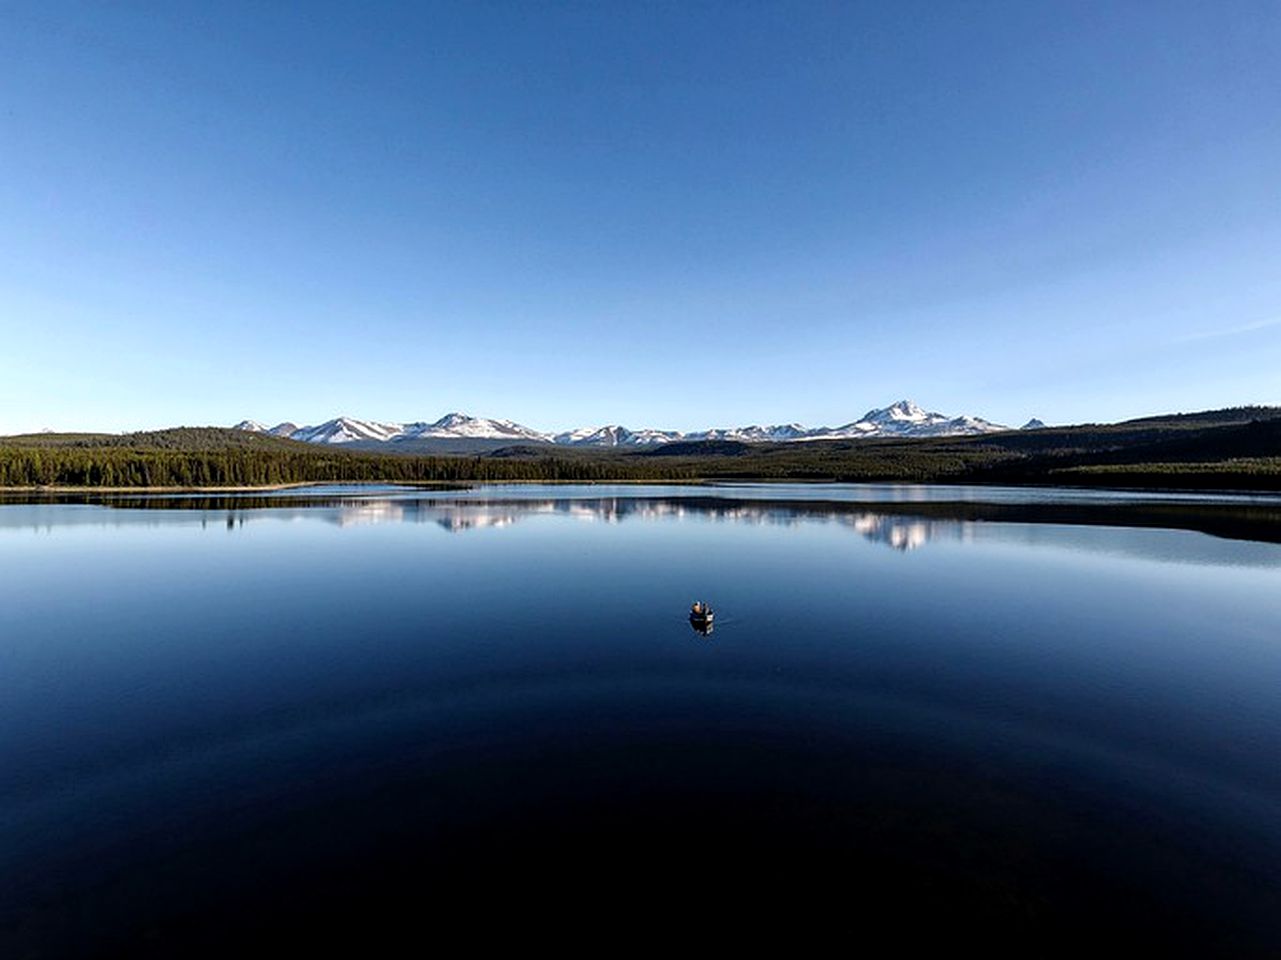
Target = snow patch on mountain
(906,419)
(613,435)
(778,433)
(461,426)
(901,419)
(348,430)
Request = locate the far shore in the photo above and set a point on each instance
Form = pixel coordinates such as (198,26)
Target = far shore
(1255,492)
(425,484)
(261,488)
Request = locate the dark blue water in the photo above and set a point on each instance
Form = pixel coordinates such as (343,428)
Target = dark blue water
(1042,722)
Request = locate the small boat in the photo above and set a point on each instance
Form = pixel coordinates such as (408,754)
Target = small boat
(701,616)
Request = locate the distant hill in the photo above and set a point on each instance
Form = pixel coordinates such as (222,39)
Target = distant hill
(1213,418)
(173,438)
(437,446)
(701,448)
(1239,448)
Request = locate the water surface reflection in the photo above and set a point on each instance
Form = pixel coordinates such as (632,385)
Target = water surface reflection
(1048,721)
(903,524)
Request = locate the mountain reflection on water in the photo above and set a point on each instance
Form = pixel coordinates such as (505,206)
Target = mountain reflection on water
(922,515)
(1043,718)
(458,517)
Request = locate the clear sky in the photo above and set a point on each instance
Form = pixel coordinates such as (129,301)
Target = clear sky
(679,215)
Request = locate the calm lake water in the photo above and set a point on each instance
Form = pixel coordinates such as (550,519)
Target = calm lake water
(1046,719)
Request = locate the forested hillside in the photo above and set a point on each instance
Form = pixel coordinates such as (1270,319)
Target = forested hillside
(1236,449)
(195,457)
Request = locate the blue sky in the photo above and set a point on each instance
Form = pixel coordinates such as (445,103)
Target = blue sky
(660,214)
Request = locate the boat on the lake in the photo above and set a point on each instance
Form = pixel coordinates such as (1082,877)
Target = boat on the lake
(701,616)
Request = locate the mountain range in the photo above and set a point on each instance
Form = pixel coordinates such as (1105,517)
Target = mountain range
(901,419)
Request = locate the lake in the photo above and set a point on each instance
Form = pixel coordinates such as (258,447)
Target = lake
(1048,720)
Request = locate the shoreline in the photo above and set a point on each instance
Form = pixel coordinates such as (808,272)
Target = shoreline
(1254,493)
(260,488)
(421,484)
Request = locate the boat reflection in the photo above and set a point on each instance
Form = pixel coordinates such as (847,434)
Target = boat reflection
(703,628)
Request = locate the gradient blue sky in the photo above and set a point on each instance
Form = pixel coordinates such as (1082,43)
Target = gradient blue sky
(678,215)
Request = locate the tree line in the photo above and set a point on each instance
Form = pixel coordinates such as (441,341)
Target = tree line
(123,467)
(1240,456)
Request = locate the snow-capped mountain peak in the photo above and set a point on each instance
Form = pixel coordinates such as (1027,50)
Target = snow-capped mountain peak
(461,426)
(902,411)
(610,435)
(614,435)
(348,430)
(775,433)
(901,419)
